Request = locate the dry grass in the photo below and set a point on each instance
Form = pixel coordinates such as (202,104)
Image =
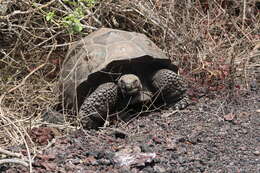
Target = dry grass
(211,40)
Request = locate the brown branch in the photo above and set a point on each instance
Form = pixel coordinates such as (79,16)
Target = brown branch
(16,12)
(9,153)
(16,161)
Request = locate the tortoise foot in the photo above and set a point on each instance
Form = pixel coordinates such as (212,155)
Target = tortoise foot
(172,88)
(95,108)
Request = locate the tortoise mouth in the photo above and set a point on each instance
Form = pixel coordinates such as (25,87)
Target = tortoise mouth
(130,91)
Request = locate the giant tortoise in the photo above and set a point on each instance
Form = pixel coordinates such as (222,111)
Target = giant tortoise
(108,65)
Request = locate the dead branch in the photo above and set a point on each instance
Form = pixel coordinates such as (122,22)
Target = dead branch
(16,161)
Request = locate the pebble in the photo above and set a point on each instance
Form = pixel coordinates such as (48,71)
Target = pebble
(145,148)
(148,169)
(104,162)
(159,169)
(257,152)
(181,168)
(181,159)
(125,170)
(179,139)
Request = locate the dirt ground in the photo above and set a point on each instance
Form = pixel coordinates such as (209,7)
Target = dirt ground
(215,135)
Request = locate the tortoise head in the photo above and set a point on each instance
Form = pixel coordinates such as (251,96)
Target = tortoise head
(130,84)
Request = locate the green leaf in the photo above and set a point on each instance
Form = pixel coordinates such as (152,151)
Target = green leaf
(50,16)
(69,2)
(77,27)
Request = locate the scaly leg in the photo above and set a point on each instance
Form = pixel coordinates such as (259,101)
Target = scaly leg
(172,87)
(97,105)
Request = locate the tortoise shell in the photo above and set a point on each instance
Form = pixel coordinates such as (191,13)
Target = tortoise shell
(105,55)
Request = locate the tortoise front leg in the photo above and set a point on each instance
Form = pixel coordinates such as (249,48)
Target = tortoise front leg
(95,108)
(172,87)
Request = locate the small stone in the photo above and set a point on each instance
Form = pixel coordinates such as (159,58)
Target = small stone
(243,148)
(181,168)
(181,150)
(168,114)
(148,169)
(159,169)
(257,152)
(179,139)
(229,117)
(104,162)
(231,164)
(181,159)
(125,170)
(145,148)
(141,125)
(244,131)
(258,139)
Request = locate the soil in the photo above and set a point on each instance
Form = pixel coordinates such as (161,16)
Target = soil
(215,135)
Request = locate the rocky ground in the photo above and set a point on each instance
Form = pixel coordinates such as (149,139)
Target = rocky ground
(215,135)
